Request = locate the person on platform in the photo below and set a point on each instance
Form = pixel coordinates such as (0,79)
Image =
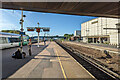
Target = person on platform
(17,54)
(44,41)
(29,47)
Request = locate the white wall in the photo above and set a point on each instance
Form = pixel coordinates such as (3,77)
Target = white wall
(113,38)
(119,39)
(97,29)
(85,39)
(77,33)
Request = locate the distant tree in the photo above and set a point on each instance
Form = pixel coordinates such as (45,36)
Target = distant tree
(56,35)
(65,35)
(11,31)
(68,36)
(72,35)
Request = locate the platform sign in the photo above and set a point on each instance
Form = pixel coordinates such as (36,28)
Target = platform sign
(30,28)
(45,29)
(22,33)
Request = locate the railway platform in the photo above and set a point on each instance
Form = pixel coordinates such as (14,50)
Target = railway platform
(53,62)
(11,65)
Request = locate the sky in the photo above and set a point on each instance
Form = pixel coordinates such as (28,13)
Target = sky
(59,24)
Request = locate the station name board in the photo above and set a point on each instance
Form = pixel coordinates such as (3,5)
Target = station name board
(45,29)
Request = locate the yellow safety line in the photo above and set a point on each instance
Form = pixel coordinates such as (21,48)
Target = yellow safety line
(78,64)
(61,66)
(84,68)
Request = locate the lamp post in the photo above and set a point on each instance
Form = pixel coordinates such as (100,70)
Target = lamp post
(38,34)
(21,22)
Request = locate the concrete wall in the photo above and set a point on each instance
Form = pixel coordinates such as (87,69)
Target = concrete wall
(118,39)
(114,39)
(77,33)
(95,27)
(85,39)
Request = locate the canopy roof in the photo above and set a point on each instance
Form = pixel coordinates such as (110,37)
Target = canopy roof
(99,9)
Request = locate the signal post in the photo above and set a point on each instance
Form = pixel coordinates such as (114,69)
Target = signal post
(22,33)
(45,29)
(38,30)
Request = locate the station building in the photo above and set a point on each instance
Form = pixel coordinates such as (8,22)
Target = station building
(101,30)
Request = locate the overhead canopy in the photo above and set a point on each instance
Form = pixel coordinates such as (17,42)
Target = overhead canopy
(99,9)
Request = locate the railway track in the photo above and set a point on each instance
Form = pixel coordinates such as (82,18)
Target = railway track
(98,71)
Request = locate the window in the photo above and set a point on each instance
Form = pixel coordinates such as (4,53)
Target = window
(14,40)
(3,40)
(94,22)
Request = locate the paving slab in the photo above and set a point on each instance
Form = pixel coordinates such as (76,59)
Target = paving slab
(53,62)
(11,65)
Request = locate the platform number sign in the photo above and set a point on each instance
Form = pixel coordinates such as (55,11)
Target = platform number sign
(30,28)
(45,29)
